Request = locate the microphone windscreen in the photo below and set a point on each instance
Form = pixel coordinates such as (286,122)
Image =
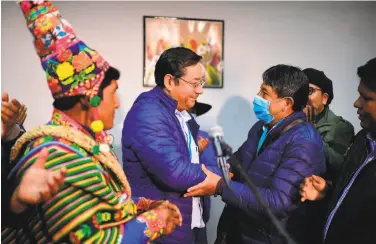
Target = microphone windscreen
(216,131)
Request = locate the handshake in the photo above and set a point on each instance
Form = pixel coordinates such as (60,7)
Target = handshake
(167,217)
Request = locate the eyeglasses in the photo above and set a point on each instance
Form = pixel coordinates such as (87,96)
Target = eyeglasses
(312,90)
(194,85)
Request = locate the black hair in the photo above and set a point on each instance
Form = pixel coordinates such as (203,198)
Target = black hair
(367,74)
(173,61)
(288,81)
(66,103)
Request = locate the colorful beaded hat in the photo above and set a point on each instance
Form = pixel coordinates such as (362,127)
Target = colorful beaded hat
(72,68)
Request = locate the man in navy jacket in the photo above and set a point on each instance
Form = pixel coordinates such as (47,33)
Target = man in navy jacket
(281,150)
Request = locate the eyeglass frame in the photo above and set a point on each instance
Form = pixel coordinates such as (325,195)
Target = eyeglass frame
(194,85)
(313,89)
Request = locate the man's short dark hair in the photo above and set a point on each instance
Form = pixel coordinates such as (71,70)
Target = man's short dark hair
(67,103)
(288,81)
(367,74)
(173,61)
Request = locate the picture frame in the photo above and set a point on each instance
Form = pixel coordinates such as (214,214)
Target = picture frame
(203,36)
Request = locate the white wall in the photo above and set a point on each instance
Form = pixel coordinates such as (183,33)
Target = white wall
(336,37)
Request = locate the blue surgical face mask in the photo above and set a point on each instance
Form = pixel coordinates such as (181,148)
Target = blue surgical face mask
(261,107)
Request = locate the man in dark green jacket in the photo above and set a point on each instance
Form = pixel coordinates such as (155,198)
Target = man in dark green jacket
(337,133)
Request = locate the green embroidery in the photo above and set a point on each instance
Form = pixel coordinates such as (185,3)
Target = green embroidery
(27,150)
(83,232)
(78,148)
(68,81)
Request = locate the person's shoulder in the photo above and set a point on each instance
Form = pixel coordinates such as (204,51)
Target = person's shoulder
(59,149)
(149,111)
(345,125)
(361,135)
(304,132)
(339,120)
(55,145)
(147,103)
(256,127)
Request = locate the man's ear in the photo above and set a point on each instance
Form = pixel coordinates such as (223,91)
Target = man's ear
(325,98)
(290,102)
(169,82)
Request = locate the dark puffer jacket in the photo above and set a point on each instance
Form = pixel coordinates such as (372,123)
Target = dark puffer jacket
(277,171)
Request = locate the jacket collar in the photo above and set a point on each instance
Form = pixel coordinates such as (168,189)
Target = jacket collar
(371,142)
(328,118)
(170,103)
(323,114)
(275,131)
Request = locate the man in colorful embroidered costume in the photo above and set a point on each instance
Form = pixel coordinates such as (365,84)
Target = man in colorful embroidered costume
(94,205)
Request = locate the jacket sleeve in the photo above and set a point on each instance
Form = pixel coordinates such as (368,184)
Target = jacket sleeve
(158,151)
(10,219)
(336,144)
(243,149)
(6,147)
(301,159)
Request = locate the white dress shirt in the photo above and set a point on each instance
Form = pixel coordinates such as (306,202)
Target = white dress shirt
(184,117)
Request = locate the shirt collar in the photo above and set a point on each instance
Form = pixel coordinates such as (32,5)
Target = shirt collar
(184,115)
(265,128)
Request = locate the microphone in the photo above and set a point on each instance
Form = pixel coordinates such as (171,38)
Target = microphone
(216,133)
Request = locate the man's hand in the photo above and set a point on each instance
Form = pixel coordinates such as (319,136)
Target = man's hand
(37,184)
(166,204)
(311,114)
(157,204)
(171,219)
(230,174)
(313,188)
(22,115)
(175,211)
(168,216)
(202,143)
(205,188)
(9,113)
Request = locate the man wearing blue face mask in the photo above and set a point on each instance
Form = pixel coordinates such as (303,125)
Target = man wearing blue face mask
(281,150)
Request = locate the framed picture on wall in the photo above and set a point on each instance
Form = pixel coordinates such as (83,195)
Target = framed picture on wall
(203,36)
